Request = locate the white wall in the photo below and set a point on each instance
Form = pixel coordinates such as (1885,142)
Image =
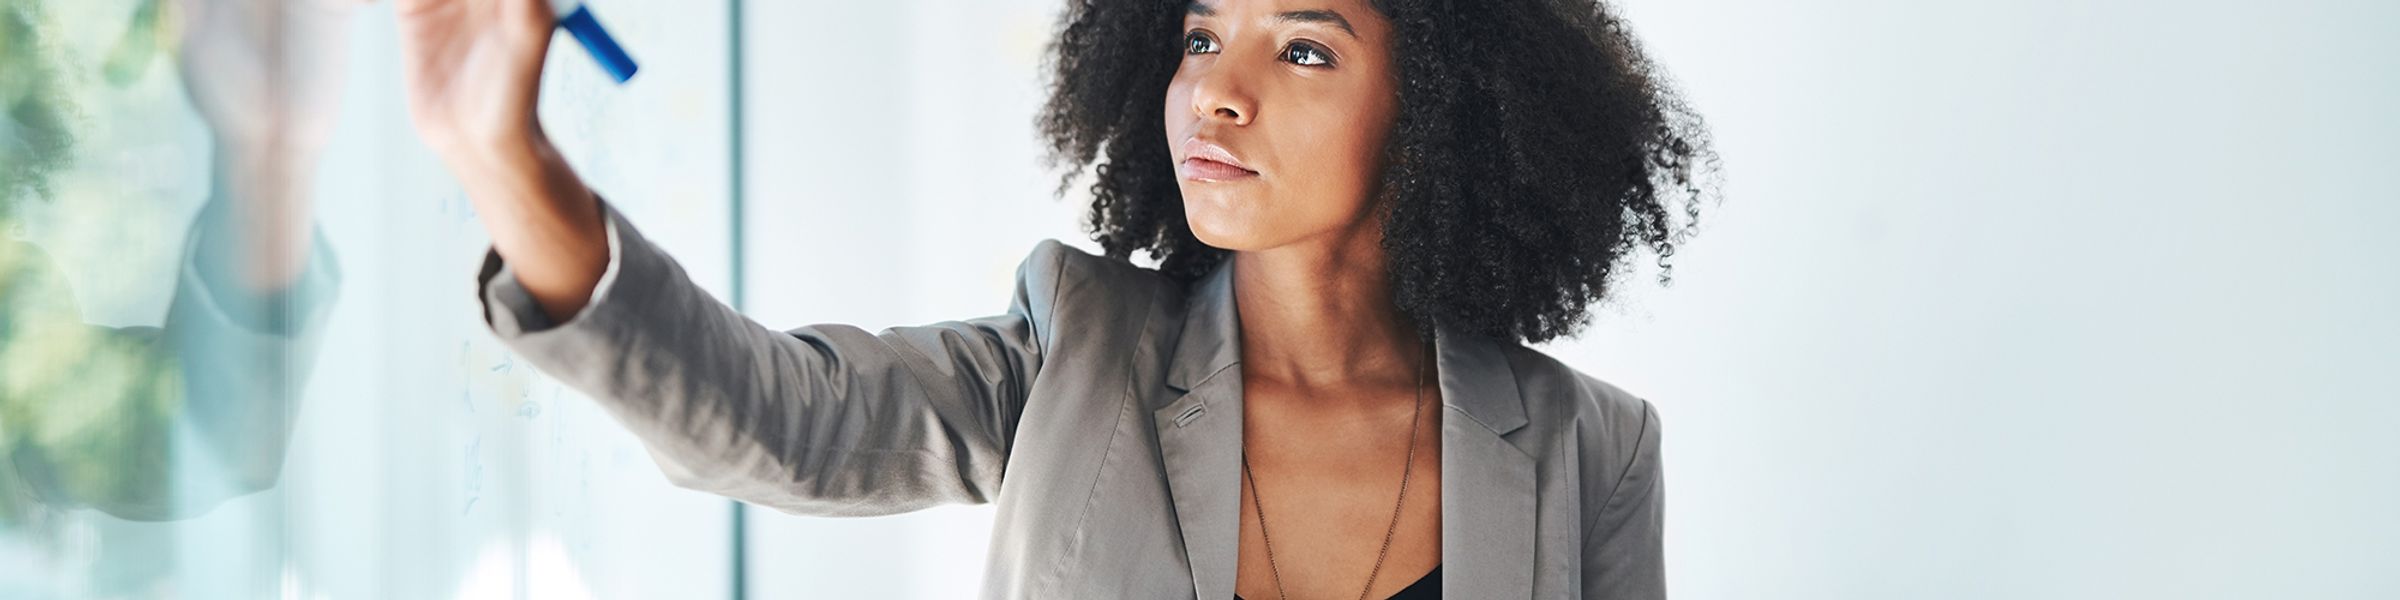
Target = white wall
(2032,299)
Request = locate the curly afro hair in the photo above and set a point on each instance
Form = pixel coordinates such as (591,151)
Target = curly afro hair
(1535,151)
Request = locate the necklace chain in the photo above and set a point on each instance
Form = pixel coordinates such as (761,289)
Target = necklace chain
(1407,468)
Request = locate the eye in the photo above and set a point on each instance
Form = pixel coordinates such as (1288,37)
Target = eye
(1198,42)
(1307,55)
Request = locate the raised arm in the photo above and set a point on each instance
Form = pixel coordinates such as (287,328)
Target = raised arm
(825,419)
(152,423)
(473,69)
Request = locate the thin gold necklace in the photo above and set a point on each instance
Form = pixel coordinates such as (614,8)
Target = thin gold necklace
(1406,469)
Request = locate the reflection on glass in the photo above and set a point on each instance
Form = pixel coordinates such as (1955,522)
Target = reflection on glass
(151,423)
(169,183)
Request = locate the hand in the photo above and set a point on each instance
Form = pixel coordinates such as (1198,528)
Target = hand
(474,71)
(266,76)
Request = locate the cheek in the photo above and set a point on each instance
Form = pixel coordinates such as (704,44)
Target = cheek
(1343,149)
(1177,111)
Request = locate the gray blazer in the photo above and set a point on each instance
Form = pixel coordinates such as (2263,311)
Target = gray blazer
(1102,413)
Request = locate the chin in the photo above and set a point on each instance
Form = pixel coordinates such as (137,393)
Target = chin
(1238,221)
(1223,219)
(1220,231)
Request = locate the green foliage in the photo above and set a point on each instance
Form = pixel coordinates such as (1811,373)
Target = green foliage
(36,106)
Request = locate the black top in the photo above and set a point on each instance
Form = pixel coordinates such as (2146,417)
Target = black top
(1428,587)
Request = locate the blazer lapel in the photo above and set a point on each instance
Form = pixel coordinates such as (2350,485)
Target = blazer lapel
(1488,483)
(1200,433)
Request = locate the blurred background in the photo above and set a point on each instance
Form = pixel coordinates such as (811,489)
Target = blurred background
(2024,299)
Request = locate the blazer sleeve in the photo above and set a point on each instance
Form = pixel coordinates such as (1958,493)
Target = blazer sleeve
(1623,549)
(826,419)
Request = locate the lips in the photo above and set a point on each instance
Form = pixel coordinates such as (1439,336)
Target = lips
(1208,170)
(1205,160)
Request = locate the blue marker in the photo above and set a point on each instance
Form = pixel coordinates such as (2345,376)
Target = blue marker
(580,23)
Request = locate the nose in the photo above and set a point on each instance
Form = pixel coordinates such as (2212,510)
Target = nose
(1221,96)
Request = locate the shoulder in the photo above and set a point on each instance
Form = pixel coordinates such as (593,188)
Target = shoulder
(1056,279)
(1560,396)
(1068,273)
(1051,261)
(1613,433)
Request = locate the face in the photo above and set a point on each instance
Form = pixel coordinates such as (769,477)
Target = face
(1277,117)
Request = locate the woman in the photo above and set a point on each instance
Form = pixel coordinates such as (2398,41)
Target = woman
(1394,194)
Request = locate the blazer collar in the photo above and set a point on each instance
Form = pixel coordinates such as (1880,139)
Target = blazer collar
(1488,483)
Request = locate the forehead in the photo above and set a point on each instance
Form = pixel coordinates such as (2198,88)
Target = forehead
(1354,10)
(1356,18)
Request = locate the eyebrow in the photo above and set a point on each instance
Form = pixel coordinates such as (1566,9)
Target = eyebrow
(1319,16)
(1303,16)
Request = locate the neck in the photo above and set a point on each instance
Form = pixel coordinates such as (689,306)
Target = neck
(1320,315)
